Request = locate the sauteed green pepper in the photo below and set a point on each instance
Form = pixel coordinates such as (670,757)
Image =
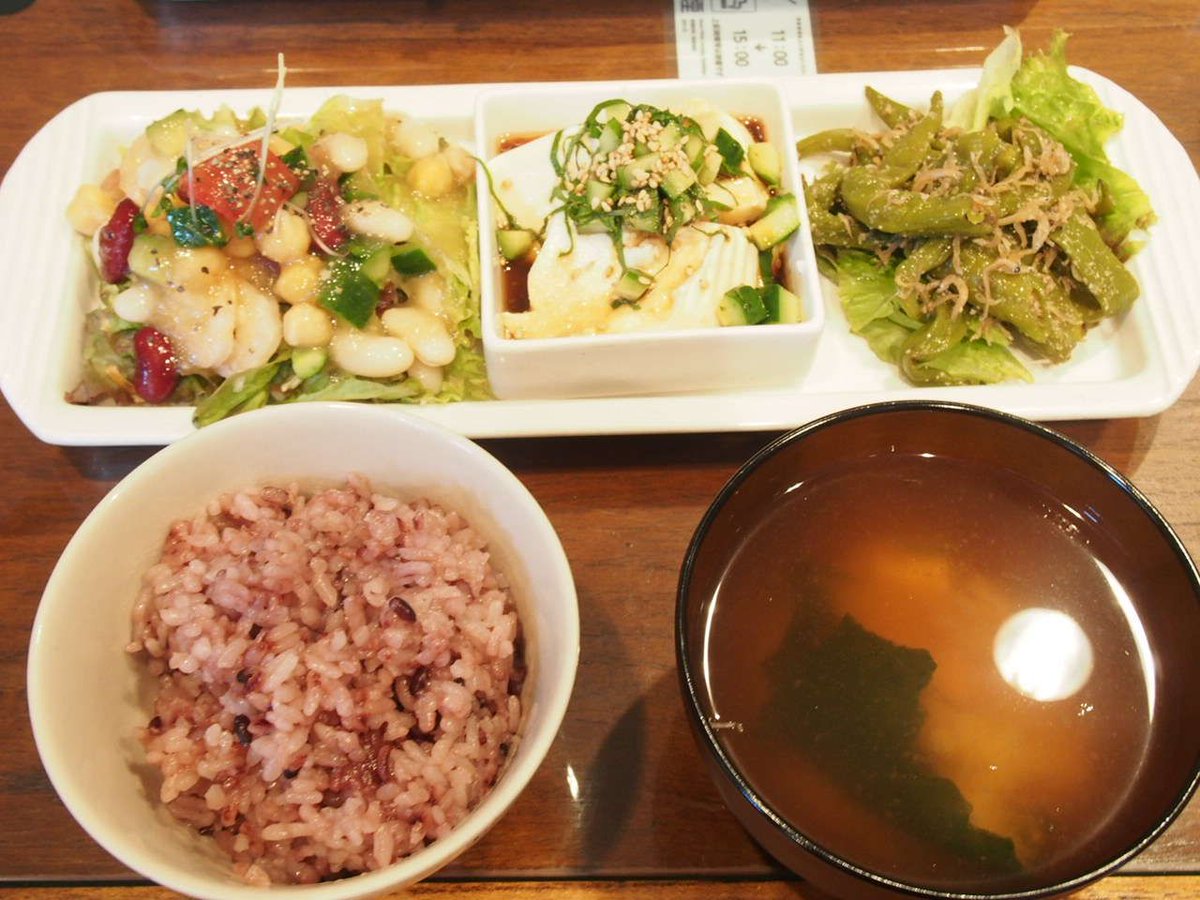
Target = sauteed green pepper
(951,241)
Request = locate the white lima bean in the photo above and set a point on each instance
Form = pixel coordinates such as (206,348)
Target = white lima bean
(344,152)
(369,355)
(376,219)
(429,377)
(137,302)
(427,292)
(286,240)
(307,325)
(414,139)
(258,329)
(422,331)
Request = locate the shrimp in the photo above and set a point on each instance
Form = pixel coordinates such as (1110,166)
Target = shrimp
(199,318)
(257,332)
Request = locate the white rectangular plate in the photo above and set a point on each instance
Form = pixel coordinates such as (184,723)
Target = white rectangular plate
(1136,366)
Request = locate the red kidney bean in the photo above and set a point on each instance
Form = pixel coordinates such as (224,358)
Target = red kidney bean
(157,368)
(116,238)
(325,213)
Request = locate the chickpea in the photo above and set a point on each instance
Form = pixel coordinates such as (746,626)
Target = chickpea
(286,240)
(91,208)
(191,266)
(300,280)
(307,325)
(431,176)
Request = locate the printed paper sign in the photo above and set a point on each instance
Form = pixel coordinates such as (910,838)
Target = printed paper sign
(743,38)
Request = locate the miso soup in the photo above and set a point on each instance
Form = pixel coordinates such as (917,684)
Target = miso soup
(928,677)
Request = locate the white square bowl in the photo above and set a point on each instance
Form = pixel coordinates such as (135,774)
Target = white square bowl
(658,362)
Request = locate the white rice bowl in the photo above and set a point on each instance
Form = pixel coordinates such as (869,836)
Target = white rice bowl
(113,756)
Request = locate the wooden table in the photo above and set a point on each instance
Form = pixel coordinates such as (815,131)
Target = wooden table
(646,820)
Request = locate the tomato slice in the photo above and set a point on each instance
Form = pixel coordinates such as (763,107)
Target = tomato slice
(226,183)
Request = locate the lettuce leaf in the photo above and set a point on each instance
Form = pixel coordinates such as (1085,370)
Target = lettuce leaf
(979,362)
(992,98)
(1073,114)
(867,288)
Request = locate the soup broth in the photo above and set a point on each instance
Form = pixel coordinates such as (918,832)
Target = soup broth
(926,676)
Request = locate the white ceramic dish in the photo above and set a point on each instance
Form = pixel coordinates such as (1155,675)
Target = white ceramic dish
(697,359)
(1135,367)
(84,689)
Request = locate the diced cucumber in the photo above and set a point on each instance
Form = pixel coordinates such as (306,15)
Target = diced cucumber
(618,110)
(378,265)
(610,138)
(308,361)
(514,243)
(413,261)
(710,168)
(670,137)
(633,175)
(766,266)
(168,136)
(694,148)
(781,219)
(599,191)
(649,220)
(677,181)
(640,149)
(741,306)
(632,284)
(732,152)
(151,257)
(783,307)
(765,161)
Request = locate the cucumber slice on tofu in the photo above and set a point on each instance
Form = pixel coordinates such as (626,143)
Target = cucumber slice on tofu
(635,174)
(677,181)
(599,191)
(632,285)
(781,219)
(741,306)
(765,161)
(618,110)
(413,261)
(709,168)
(308,361)
(783,307)
(610,138)
(514,243)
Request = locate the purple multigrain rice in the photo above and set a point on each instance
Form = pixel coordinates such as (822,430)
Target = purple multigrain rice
(334,676)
